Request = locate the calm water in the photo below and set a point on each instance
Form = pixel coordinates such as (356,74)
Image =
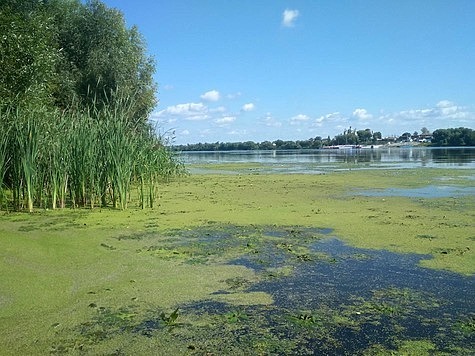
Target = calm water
(358,297)
(318,161)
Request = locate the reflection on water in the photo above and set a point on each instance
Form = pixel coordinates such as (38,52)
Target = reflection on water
(308,161)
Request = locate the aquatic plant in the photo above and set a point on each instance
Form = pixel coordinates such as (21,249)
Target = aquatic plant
(170,320)
(95,157)
(235,316)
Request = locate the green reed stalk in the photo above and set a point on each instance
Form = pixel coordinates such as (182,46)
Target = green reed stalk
(27,136)
(4,159)
(59,158)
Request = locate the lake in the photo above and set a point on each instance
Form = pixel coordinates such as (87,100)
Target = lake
(324,160)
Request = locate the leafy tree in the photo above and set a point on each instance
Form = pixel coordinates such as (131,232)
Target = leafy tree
(364,136)
(63,53)
(406,136)
(27,52)
(453,137)
(377,136)
(348,137)
(425,131)
(101,57)
(266,145)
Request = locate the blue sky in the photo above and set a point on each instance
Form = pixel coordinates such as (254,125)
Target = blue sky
(239,70)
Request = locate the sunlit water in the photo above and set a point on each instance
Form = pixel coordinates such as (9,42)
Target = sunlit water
(321,161)
(429,191)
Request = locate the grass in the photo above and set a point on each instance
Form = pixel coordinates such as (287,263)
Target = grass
(58,268)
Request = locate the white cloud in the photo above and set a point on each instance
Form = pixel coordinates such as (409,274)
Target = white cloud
(270,121)
(334,117)
(205,132)
(444,112)
(298,119)
(450,109)
(225,120)
(362,114)
(212,95)
(289,17)
(237,132)
(234,95)
(219,109)
(185,132)
(444,104)
(442,115)
(248,107)
(188,111)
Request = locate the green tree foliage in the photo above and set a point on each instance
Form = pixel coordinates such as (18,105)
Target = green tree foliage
(425,131)
(76,90)
(377,136)
(364,136)
(27,52)
(101,56)
(453,137)
(349,137)
(64,52)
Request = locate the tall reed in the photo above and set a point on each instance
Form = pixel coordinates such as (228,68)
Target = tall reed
(4,157)
(80,158)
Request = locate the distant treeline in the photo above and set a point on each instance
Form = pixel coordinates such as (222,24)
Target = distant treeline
(439,138)
(461,136)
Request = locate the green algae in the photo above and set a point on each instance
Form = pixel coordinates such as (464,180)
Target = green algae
(59,268)
(392,223)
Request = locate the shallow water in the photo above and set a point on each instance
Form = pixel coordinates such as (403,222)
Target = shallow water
(386,294)
(430,191)
(320,161)
(336,300)
(360,271)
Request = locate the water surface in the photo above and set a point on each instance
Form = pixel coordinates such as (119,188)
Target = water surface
(324,160)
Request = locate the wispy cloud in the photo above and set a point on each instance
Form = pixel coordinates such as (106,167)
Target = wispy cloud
(332,118)
(201,121)
(188,111)
(237,132)
(248,107)
(441,115)
(289,17)
(362,114)
(226,120)
(212,95)
(270,121)
(298,119)
(234,95)
(444,114)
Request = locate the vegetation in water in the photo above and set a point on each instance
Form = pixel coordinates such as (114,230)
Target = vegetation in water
(219,248)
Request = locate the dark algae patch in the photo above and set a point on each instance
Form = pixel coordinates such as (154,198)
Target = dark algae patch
(337,300)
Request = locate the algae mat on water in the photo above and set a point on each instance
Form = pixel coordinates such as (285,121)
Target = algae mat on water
(110,282)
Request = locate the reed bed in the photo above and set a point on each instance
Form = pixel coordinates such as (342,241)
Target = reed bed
(71,158)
